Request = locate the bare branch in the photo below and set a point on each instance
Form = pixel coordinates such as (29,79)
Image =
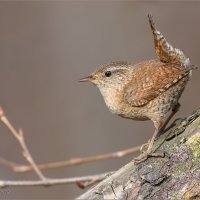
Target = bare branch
(19,136)
(75,161)
(9,163)
(52,182)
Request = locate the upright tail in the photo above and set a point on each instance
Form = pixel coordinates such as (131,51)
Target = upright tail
(165,51)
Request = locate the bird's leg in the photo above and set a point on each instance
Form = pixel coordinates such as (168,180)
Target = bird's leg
(149,153)
(158,124)
(149,150)
(163,129)
(160,129)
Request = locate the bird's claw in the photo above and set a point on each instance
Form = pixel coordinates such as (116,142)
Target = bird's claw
(146,155)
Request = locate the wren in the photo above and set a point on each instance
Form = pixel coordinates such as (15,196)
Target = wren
(147,90)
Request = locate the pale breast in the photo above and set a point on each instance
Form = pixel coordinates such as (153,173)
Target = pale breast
(116,104)
(112,98)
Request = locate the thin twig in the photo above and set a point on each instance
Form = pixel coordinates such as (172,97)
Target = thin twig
(51,182)
(19,136)
(76,161)
(9,163)
(86,184)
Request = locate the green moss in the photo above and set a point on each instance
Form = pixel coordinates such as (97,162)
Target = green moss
(180,170)
(194,144)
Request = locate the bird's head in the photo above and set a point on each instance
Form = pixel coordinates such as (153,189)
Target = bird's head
(113,75)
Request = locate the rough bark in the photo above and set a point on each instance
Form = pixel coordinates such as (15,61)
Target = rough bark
(176,176)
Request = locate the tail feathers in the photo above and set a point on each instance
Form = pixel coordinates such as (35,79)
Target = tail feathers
(192,67)
(165,51)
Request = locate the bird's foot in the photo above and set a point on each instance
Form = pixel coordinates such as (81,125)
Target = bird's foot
(146,155)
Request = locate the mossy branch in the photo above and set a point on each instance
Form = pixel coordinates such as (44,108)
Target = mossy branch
(176,176)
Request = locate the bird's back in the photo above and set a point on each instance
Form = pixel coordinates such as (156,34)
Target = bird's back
(150,79)
(154,89)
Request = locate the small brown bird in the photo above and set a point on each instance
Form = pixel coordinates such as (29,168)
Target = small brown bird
(148,90)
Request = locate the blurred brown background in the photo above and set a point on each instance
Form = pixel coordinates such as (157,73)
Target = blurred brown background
(45,47)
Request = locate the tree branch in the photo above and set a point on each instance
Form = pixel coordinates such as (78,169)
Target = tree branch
(176,176)
(19,136)
(75,161)
(51,182)
(82,182)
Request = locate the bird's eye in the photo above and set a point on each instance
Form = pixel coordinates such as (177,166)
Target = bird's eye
(108,73)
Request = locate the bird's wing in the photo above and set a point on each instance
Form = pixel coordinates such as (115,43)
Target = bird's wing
(165,51)
(150,79)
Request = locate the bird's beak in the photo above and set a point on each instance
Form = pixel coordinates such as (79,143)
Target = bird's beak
(86,79)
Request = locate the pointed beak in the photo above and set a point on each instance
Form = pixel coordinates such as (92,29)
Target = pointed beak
(86,79)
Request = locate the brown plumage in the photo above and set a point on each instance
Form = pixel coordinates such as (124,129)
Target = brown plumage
(150,79)
(165,51)
(148,90)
